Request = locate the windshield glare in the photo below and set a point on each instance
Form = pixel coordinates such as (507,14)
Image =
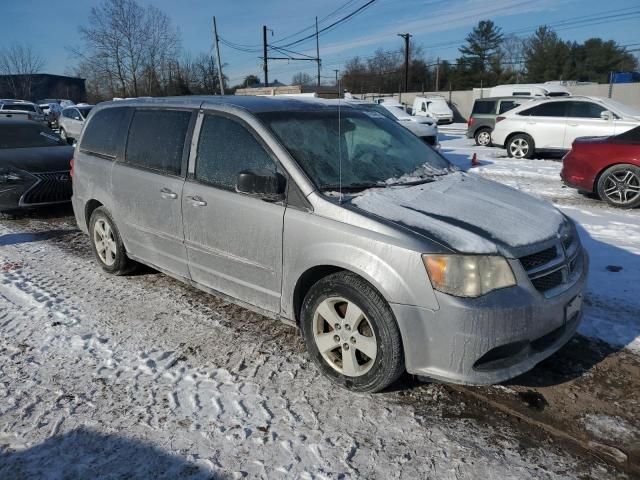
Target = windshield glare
(27,136)
(374,149)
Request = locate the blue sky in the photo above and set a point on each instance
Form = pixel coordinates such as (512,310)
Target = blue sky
(51,27)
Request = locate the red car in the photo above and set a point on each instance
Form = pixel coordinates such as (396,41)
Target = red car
(607,166)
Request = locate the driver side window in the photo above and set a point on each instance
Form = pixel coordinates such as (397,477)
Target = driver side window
(226,148)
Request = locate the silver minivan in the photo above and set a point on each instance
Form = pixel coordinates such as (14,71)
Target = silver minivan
(339,221)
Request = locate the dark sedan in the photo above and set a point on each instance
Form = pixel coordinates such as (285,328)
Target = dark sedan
(34,166)
(608,166)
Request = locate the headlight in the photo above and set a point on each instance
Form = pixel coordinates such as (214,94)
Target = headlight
(468,275)
(10,177)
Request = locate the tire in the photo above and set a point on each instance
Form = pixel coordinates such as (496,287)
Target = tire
(356,313)
(619,186)
(521,146)
(101,226)
(63,135)
(483,137)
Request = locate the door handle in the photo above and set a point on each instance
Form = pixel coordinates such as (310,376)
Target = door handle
(531,123)
(573,124)
(168,194)
(197,201)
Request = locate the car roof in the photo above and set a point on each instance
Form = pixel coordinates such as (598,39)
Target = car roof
(496,99)
(254,104)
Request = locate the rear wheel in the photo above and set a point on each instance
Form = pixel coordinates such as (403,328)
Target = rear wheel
(521,146)
(351,333)
(619,186)
(107,245)
(483,137)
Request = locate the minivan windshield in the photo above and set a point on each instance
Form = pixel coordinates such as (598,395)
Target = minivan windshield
(366,150)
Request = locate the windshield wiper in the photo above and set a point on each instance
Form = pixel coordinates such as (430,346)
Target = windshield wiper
(413,182)
(353,187)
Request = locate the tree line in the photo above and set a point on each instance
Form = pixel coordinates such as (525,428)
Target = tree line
(489,58)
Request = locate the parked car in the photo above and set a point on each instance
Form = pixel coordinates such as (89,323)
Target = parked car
(553,124)
(529,90)
(33,111)
(34,166)
(483,116)
(425,128)
(606,166)
(433,106)
(72,120)
(338,221)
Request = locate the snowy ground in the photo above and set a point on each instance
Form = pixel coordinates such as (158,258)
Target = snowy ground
(144,377)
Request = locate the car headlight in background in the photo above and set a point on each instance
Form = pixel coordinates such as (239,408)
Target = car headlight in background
(10,177)
(468,275)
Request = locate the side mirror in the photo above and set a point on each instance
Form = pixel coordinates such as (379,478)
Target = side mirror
(606,115)
(263,183)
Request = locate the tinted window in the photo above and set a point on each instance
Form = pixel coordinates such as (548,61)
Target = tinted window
(105,131)
(585,109)
(551,109)
(483,107)
(225,149)
(27,136)
(85,111)
(631,136)
(521,94)
(156,139)
(507,105)
(23,107)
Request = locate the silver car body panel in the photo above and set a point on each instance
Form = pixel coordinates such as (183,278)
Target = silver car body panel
(256,252)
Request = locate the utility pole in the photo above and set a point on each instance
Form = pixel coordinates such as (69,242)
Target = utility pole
(337,85)
(318,51)
(406,37)
(264,47)
(215,36)
(437,73)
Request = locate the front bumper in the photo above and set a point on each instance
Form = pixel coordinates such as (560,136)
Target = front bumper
(489,339)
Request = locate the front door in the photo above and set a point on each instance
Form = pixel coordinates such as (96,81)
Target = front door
(234,241)
(147,188)
(583,120)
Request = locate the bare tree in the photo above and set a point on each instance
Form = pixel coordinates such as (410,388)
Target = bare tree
(128,50)
(19,62)
(301,78)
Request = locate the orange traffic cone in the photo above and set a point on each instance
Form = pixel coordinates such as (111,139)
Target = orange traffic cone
(474,160)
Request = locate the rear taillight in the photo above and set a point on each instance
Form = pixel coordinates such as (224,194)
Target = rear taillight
(470,121)
(71,165)
(499,119)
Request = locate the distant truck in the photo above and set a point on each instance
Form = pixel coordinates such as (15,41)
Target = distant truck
(529,90)
(434,106)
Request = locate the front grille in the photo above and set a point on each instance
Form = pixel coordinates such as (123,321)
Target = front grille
(548,282)
(539,258)
(51,187)
(554,266)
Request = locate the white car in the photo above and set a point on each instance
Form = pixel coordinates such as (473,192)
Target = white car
(16,108)
(423,127)
(72,120)
(553,124)
(434,106)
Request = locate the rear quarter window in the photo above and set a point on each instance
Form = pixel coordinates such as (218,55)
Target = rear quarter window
(105,132)
(481,107)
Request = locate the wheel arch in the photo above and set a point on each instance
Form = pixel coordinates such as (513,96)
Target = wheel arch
(89,208)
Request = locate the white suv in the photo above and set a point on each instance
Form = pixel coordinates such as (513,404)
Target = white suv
(71,121)
(553,124)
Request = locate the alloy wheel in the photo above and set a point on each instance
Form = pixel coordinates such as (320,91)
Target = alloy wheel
(622,187)
(484,138)
(344,337)
(519,148)
(105,242)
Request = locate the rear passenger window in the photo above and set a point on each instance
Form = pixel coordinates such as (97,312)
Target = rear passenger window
(156,139)
(551,109)
(483,107)
(105,131)
(507,105)
(225,149)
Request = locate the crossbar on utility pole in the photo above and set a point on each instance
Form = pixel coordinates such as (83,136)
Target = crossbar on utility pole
(265,58)
(318,50)
(215,36)
(406,37)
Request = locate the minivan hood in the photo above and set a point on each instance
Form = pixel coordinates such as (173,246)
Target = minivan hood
(466,213)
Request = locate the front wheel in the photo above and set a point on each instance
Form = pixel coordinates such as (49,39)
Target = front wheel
(521,146)
(107,245)
(619,186)
(351,333)
(65,137)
